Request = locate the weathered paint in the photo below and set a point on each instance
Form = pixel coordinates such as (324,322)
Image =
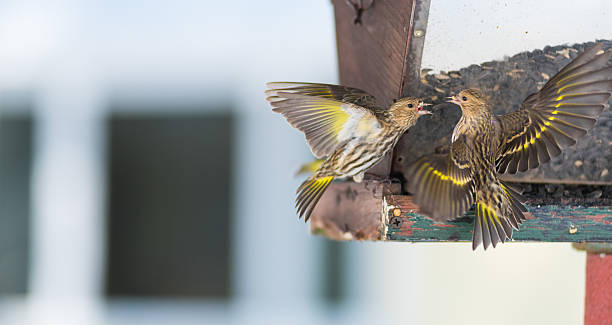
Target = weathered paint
(550,223)
(598,293)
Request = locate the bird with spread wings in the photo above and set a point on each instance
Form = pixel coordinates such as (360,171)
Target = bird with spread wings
(343,125)
(485,145)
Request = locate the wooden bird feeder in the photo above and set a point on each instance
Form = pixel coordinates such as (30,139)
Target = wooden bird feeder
(380,44)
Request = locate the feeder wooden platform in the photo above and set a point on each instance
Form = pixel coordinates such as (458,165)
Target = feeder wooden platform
(370,211)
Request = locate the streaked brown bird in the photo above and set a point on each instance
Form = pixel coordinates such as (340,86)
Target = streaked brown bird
(483,145)
(344,125)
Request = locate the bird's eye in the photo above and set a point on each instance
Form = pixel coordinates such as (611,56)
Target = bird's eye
(464,98)
(409,105)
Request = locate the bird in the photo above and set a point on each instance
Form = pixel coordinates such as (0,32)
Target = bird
(342,125)
(484,145)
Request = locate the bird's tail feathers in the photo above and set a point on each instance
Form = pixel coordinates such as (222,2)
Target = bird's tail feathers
(494,223)
(309,193)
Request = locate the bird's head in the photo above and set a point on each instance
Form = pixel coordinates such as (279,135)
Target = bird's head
(405,111)
(471,101)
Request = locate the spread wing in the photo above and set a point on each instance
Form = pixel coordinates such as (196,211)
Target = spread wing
(340,93)
(328,123)
(442,185)
(555,117)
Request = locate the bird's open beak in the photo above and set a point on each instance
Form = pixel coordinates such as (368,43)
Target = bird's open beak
(421,111)
(454,100)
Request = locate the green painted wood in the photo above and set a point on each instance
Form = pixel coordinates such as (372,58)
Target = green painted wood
(549,223)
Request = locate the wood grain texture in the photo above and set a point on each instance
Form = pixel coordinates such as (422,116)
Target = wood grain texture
(549,223)
(372,55)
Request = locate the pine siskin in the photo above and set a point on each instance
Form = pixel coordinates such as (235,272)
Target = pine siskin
(343,124)
(483,145)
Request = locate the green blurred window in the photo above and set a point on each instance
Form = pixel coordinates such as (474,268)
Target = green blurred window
(169,205)
(15,171)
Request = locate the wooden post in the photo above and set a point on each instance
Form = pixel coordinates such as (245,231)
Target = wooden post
(598,296)
(379,51)
(381,54)
(598,289)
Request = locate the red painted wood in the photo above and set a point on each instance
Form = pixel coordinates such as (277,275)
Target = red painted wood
(598,298)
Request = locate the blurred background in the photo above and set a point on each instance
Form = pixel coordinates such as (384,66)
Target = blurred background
(144,179)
